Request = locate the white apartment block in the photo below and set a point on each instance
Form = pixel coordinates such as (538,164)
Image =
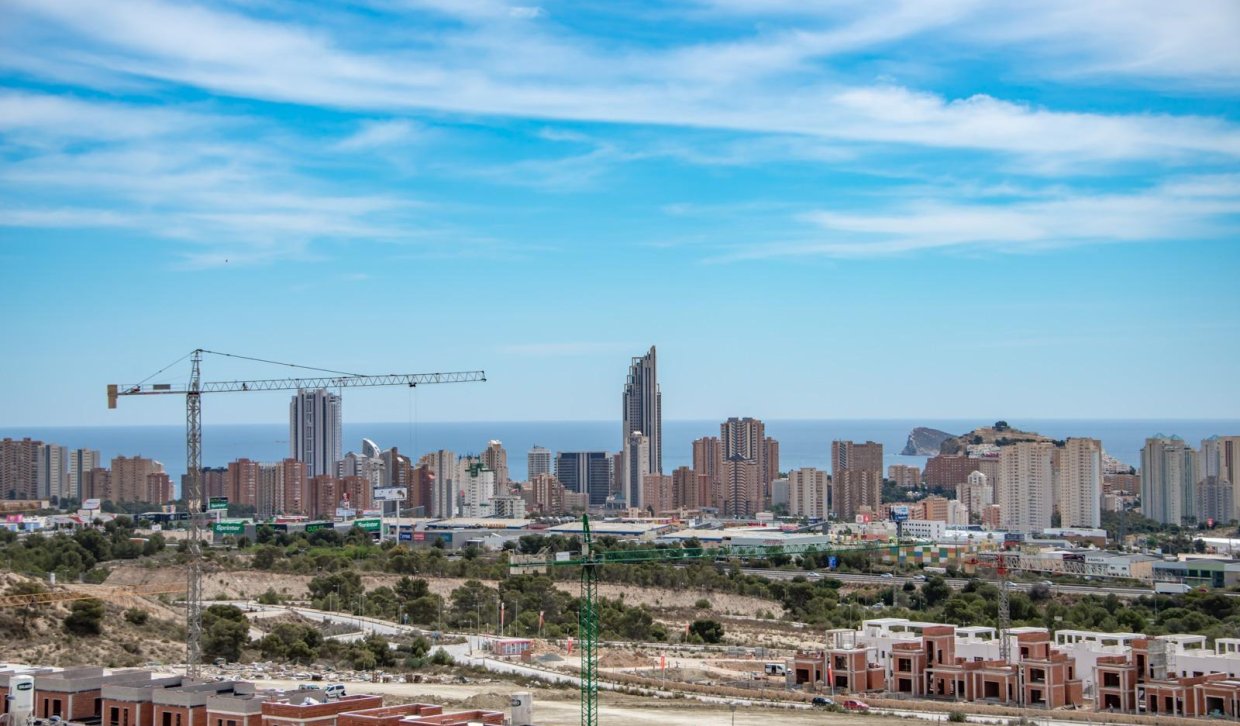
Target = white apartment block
(477,485)
(1079,483)
(807,493)
(1026,490)
(636,460)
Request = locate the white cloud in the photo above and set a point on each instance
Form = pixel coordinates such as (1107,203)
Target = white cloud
(378,134)
(1194,208)
(762,84)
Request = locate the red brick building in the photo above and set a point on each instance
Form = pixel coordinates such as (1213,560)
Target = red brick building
(310,708)
(945,471)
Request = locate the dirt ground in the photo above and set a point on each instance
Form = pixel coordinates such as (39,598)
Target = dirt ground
(560,707)
(252,583)
(37,634)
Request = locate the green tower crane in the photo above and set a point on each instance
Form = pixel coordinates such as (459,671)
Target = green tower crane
(591,560)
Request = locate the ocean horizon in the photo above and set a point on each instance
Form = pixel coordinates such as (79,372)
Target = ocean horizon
(803,442)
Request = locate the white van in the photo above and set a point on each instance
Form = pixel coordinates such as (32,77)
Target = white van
(334,691)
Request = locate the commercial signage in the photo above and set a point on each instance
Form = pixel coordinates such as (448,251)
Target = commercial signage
(367,525)
(406,536)
(217,503)
(833,562)
(91,504)
(899,513)
(316,526)
(344,512)
(228,527)
(390,494)
(419,536)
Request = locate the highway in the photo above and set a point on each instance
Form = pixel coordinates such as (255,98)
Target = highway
(956,583)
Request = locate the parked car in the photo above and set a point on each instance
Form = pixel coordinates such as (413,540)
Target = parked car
(853,704)
(334,691)
(887,576)
(822,701)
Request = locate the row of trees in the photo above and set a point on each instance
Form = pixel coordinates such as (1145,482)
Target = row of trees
(71,556)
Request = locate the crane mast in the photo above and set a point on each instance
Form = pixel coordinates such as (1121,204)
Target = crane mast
(591,560)
(193,391)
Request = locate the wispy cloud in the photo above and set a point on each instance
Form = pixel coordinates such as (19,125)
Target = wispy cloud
(379,134)
(1192,208)
(760,84)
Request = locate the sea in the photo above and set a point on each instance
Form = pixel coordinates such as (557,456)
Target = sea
(802,442)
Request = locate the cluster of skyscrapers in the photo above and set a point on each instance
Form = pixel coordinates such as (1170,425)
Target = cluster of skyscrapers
(1021,486)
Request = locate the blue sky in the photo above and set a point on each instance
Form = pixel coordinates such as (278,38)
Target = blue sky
(859,210)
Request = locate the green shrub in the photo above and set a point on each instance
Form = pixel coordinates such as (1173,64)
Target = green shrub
(137,616)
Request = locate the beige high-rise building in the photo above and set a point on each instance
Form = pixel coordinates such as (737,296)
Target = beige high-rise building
(1228,467)
(658,494)
(742,487)
(53,474)
(19,468)
(129,483)
(977,493)
(904,475)
(495,458)
(636,463)
(97,484)
(537,461)
(746,438)
(691,490)
(1168,479)
(1079,483)
(807,493)
(708,461)
(241,482)
(548,493)
(770,462)
(857,477)
(443,467)
(1026,491)
(81,461)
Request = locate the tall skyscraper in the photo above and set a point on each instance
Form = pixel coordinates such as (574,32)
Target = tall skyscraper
(53,476)
(807,493)
(742,486)
(746,438)
(770,462)
(1168,475)
(585,472)
(643,407)
(977,493)
(314,430)
(1026,491)
(1079,483)
(19,468)
(1214,500)
(81,461)
(443,470)
(857,477)
(495,458)
(1220,458)
(537,461)
(708,462)
(636,462)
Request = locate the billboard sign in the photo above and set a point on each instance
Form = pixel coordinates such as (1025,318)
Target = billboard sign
(899,513)
(316,526)
(390,494)
(406,536)
(228,527)
(91,504)
(217,503)
(344,513)
(367,525)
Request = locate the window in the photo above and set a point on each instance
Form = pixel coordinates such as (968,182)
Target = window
(114,716)
(1110,680)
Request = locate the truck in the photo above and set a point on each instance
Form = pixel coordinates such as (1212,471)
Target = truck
(1171,588)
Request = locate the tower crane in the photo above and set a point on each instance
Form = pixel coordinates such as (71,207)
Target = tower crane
(591,560)
(193,391)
